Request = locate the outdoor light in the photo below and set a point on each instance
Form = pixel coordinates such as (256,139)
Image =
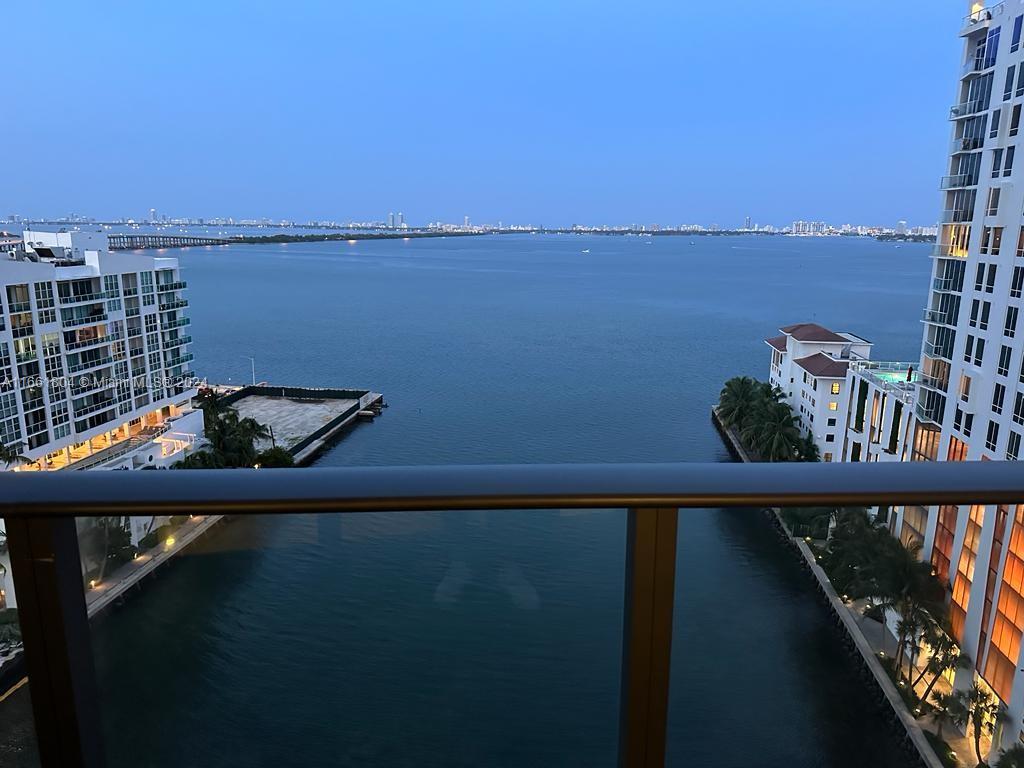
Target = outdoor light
(807,539)
(882,654)
(170,541)
(92,583)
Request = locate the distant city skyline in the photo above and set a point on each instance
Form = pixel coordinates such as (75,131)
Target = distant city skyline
(520,110)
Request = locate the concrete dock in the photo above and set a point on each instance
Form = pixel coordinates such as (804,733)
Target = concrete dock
(304,420)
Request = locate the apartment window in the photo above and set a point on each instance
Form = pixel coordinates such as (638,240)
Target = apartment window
(1020,81)
(1020,243)
(828,457)
(992,436)
(998,396)
(830,438)
(990,283)
(979,275)
(1015,116)
(1010,325)
(1017,282)
(969,348)
(835,387)
(831,422)
(1015,38)
(997,155)
(993,128)
(962,421)
(993,201)
(1005,352)
(1011,71)
(965,387)
(1008,161)
(1018,408)
(833,406)
(1013,446)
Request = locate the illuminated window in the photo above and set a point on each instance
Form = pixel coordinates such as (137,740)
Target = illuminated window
(833,406)
(835,388)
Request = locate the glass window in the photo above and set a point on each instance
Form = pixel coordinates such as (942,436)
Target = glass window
(1008,161)
(1015,37)
(1015,116)
(1008,82)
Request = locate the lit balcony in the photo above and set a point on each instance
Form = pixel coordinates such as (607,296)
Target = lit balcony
(981,18)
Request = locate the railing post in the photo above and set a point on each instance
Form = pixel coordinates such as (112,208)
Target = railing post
(647,636)
(55,630)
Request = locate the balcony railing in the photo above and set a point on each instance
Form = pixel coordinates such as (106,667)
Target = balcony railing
(179,323)
(84,343)
(166,306)
(981,18)
(956,216)
(928,412)
(40,513)
(87,298)
(957,181)
(90,320)
(933,382)
(938,317)
(172,343)
(90,364)
(966,144)
(17,307)
(945,284)
(966,109)
(940,351)
(94,408)
(175,286)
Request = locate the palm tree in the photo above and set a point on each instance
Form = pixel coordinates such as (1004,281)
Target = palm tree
(773,432)
(946,657)
(1012,758)
(983,712)
(949,708)
(11,454)
(808,449)
(738,400)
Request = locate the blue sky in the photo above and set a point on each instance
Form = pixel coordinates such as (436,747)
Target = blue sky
(527,111)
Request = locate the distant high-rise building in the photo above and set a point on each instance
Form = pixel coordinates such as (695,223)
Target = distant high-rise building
(152,215)
(746,223)
(401,219)
(391,220)
(465,221)
(901,227)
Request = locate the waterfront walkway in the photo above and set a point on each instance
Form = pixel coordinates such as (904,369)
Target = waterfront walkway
(121,581)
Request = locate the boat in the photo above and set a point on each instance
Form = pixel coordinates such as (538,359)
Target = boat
(586,250)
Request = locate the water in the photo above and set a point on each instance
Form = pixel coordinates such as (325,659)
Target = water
(465,639)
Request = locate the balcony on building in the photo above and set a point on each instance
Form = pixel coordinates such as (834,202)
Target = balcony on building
(981,18)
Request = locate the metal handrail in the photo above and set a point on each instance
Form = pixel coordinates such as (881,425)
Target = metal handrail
(432,488)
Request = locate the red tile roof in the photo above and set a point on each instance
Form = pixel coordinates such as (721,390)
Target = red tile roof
(813,332)
(823,366)
(778,342)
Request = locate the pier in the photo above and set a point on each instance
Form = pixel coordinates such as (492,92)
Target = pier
(304,420)
(126,242)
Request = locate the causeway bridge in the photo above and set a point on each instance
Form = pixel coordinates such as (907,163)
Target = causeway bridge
(121,241)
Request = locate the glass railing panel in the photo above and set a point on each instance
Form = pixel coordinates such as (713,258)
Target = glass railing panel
(446,638)
(17,730)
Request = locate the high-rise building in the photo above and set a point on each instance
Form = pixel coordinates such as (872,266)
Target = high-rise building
(401,219)
(391,220)
(964,399)
(152,215)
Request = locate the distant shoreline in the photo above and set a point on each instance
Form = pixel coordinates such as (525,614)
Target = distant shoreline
(337,236)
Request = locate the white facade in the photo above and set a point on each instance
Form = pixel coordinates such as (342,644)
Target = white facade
(94,359)
(810,365)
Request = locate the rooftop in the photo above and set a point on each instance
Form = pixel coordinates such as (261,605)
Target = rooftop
(777,342)
(823,366)
(814,332)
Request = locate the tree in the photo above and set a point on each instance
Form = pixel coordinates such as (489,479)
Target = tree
(1012,758)
(232,440)
(946,657)
(982,712)
(773,432)
(949,708)
(738,400)
(275,457)
(808,449)
(11,455)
